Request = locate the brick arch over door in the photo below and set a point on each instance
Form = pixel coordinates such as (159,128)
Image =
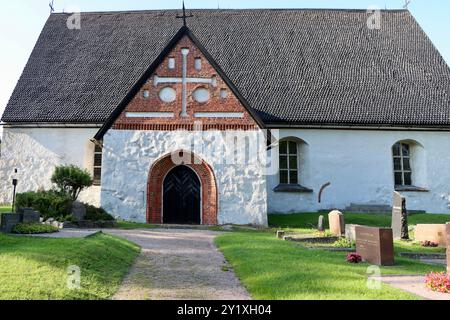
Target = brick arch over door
(158,172)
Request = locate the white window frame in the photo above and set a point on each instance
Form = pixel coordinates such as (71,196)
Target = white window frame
(97,182)
(288,155)
(402,170)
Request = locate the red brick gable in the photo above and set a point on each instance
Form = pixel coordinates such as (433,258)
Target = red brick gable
(147,111)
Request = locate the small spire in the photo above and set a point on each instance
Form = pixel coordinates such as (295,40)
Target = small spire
(184,16)
(52,7)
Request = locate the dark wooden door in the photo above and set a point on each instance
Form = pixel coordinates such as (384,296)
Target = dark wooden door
(181,197)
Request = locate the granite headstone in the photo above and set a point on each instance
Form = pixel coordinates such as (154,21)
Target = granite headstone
(78,211)
(375,245)
(337,224)
(399,217)
(320,225)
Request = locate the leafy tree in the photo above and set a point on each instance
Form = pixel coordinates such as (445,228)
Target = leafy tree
(71,180)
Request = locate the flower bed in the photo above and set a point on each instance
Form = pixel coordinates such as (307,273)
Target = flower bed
(439,282)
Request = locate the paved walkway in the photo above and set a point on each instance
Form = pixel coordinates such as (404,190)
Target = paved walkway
(178,265)
(414,285)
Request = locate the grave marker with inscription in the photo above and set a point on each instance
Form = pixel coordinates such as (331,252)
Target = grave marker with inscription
(336,222)
(375,245)
(399,217)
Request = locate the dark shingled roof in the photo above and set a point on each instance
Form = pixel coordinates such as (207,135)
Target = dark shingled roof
(291,66)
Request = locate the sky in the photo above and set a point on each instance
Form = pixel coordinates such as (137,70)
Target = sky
(21,22)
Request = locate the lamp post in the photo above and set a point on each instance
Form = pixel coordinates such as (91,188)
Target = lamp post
(14,183)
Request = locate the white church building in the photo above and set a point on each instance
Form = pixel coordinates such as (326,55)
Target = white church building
(235,114)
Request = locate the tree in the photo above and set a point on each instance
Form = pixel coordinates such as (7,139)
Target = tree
(71,180)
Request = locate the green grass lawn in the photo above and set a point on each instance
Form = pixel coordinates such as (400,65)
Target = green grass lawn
(5,209)
(36,268)
(305,221)
(276,269)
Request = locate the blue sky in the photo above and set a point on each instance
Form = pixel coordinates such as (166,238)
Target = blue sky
(22,20)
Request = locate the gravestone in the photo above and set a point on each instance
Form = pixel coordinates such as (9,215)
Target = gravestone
(280,234)
(9,220)
(350,232)
(448,247)
(29,215)
(78,211)
(431,232)
(320,225)
(375,245)
(399,217)
(336,222)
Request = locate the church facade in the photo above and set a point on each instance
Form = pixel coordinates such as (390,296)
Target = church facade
(239,114)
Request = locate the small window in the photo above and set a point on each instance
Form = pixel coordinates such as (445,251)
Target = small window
(288,162)
(97,165)
(223,93)
(198,64)
(171,63)
(146,94)
(402,164)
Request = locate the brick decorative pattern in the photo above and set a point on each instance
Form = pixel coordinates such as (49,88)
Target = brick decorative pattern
(156,177)
(216,103)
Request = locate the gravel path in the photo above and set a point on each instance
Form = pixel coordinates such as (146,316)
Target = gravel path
(178,265)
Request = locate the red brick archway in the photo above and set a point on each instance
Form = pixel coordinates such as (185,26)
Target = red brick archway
(158,172)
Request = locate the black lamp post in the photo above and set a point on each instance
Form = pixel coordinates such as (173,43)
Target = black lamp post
(14,183)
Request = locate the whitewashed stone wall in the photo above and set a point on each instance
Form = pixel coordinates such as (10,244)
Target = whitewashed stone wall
(359,166)
(128,156)
(35,152)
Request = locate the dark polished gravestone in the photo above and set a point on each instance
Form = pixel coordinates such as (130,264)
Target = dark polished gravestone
(375,245)
(78,211)
(447,229)
(29,215)
(399,218)
(9,220)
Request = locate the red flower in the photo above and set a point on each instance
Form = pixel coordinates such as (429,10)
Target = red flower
(354,258)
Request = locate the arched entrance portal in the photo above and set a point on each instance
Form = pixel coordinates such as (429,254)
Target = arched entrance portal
(181,197)
(161,176)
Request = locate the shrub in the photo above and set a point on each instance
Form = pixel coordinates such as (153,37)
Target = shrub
(97,214)
(33,228)
(50,204)
(344,243)
(324,234)
(71,180)
(439,282)
(354,258)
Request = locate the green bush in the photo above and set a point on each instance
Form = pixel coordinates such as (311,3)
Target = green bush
(71,180)
(33,228)
(97,214)
(50,204)
(344,243)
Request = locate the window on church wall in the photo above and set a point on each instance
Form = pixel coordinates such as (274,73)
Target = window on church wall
(97,172)
(402,164)
(171,63)
(288,162)
(198,64)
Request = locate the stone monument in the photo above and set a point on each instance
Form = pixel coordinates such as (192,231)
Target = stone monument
(375,245)
(337,224)
(320,224)
(431,232)
(399,217)
(78,211)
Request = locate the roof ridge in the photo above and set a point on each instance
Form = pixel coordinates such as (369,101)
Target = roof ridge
(230,10)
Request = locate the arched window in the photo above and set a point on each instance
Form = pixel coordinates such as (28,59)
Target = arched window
(402,164)
(288,162)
